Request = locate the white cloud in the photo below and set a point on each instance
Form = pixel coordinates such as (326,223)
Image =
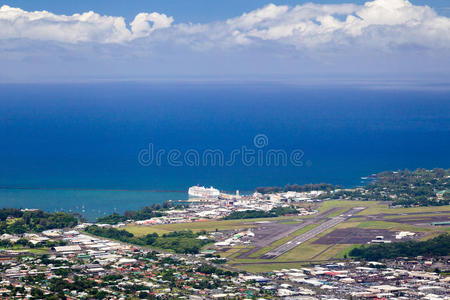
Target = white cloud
(379,35)
(16,23)
(378,23)
(141,28)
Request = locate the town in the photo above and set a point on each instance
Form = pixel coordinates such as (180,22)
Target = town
(299,242)
(87,267)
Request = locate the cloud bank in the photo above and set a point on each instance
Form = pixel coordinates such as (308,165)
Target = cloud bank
(311,36)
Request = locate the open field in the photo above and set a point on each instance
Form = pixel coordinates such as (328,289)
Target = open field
(231,251)
(256,268)
(310,251)
(377,207)
(333,243)
(344,253)
(195,227)
(303,252)
(323,227)
(304,229)
(38,250)
(326,205)
(373,208)
(264,250)
(354,236)
(418,216)
(206,225)
(332,251)
(282,241)
(30,250)
(339,246)
(392,226)
(384,209)
(138,230)
(338,212)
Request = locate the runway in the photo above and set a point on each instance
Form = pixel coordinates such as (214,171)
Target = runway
(310,234)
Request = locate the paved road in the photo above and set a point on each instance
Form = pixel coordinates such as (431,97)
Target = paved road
(272,231)
(310,234)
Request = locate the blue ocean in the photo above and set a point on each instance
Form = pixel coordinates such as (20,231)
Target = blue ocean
(114,146)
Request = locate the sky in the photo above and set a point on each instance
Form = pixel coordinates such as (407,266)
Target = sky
(182,10)
(45,40)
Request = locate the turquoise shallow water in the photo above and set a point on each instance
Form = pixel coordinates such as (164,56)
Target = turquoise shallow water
(91,204)
(89,136)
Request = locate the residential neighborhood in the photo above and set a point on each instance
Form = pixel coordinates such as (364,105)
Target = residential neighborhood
(88,267)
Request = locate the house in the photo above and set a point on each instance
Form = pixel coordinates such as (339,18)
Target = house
(71,248)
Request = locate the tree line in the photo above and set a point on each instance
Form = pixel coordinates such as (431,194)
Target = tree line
(296,188)
(252,214)
(145,213)
(178,241)
(16,221)
(438,246)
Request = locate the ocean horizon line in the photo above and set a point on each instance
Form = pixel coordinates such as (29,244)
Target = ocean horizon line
(102,189)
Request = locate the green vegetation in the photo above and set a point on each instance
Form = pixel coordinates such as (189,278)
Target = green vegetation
(16,221)
(58,286)
(268,267)
(331,204)
(345,252)
(392,226)
(296,188)
(253,214)
(419,188)
(304,229)
(207,269)
(144,213)
(24,244)
(112,219)
(438,246)
(385,209)
(178,241)
(212,225)
(139,230)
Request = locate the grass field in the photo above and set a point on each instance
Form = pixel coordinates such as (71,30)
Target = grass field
(291,222)
(195,227)
(384,209)
(138,230)
(346,251)
(358,219)
(199,226)
(257,268)
(306,251)
(326,205)
(230,253)
(332,252)
(30,250)
(418,216)
(310,252)
(338,212)
(282,241)
(304,229)
(392,226)
(272,246)
(377,207)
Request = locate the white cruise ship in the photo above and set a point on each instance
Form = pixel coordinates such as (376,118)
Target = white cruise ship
(202,192)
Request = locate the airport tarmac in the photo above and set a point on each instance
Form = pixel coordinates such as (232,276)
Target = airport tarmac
(269,232)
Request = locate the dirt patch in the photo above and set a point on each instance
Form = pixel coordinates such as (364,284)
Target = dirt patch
(420,220)
(354,236)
